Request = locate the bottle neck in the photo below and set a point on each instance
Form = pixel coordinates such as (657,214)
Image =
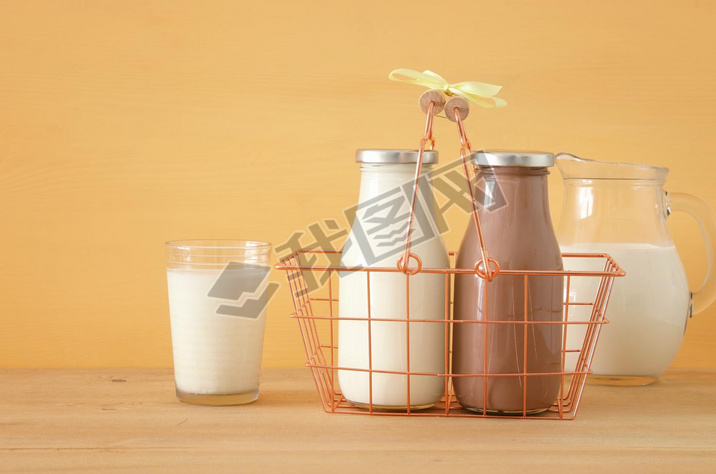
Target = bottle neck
(380,220)
(390,181)
(500,187)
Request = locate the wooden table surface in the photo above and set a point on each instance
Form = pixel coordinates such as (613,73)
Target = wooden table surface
(128,420)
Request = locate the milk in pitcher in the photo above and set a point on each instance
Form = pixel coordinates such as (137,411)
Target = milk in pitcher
(642,336)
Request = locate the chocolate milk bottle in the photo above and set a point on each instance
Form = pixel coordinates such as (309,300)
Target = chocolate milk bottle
(517,228)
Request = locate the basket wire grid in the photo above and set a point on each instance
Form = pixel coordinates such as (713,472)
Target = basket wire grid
(317,315)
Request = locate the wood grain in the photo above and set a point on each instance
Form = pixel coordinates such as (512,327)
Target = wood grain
(435,96)
(128,420)
(459,103)
(124,124)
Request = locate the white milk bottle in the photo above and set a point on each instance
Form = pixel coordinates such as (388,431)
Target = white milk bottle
(377,239)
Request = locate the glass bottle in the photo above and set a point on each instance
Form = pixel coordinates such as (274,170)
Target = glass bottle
(377,239)
(517,228)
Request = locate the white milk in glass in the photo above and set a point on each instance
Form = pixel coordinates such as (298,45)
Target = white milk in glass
(647,310)
(214,354)
(388,341)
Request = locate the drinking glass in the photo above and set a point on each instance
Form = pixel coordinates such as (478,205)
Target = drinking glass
(218,292)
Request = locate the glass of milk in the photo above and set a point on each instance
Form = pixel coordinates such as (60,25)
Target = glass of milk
(218,292)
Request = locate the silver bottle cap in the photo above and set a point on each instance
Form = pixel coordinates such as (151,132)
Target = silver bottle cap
(395,156)
(531,159)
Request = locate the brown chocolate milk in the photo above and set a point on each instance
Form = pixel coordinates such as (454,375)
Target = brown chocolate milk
(518,234)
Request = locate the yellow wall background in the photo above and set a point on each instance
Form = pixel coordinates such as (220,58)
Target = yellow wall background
(124,124)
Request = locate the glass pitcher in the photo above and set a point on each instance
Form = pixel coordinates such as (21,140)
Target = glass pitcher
(622,210)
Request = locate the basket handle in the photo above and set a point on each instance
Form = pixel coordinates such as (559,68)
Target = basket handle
(456,109)
(430,108)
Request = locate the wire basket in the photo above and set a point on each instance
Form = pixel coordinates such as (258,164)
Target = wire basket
(318,319)
(317,316)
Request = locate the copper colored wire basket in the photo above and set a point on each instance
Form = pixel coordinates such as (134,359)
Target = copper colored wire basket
(318,318)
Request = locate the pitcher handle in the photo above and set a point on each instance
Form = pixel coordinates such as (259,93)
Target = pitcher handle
(706,219)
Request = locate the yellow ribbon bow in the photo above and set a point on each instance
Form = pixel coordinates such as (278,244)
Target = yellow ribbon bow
(477,92)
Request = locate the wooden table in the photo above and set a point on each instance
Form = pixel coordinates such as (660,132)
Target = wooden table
(123,420)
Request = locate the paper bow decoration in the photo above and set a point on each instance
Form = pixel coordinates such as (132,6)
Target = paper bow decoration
(477,92)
